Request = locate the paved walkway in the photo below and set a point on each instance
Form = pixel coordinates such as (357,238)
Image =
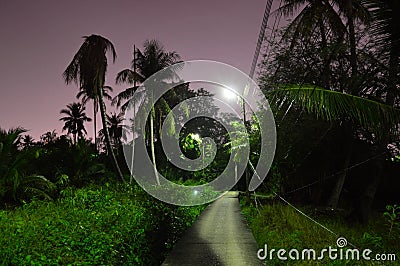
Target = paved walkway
(220,236)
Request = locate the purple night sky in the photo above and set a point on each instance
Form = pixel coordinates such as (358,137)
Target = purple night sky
(39,39)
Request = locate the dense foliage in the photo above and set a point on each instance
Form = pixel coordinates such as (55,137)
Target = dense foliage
(94,225)
(334,88)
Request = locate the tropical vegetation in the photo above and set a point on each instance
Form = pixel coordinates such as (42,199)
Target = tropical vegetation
(332,78)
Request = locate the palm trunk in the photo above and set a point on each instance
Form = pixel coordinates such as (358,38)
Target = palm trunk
(337,190)
(95,124)
(393,72)
(327,58)
(371,188)
(107,136)
(134,120)
(247,176)
(353,49)
(153,153)
(116,145)
(133,145)
(338,187)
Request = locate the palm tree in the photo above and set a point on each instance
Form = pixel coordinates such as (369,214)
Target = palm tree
(353,10)
(115,129)
(340,16)
(385,27)
(311,16)
(75,119)
(49,137)
(16,182)
(327,16)
(144,64)
(27,141)
(386,30)
(88,69)
(88,95)
(152,59)
(333,106)
(380,118)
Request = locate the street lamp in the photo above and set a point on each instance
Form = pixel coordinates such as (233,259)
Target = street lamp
(229,94)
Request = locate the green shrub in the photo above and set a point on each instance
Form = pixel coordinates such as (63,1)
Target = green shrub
(392,216)
(17,182)
(92,226)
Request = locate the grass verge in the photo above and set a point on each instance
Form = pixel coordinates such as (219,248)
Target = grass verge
(281,226)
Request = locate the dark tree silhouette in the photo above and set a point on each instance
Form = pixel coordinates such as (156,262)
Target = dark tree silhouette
(386,29)
(27,141)
(89,95)
(48,137)
(74,120)
(88,69)
(337,17)
(147,62)
(115,128)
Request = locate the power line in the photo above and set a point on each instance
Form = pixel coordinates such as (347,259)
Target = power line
(273,33)
(336,173)
(300,211)
(260,37)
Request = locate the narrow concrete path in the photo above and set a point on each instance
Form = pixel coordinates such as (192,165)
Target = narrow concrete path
(220,236)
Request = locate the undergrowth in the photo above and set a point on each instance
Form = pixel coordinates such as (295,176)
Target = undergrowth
(95,225)
(281,226)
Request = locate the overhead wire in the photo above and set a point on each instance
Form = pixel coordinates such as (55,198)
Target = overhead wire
(273,32)
(260,37)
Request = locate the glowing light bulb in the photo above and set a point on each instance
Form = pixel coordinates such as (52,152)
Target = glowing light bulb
(229,94)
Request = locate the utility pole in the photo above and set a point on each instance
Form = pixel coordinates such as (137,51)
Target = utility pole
(251,75)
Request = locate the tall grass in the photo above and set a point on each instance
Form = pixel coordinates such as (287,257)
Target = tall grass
(281,226)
